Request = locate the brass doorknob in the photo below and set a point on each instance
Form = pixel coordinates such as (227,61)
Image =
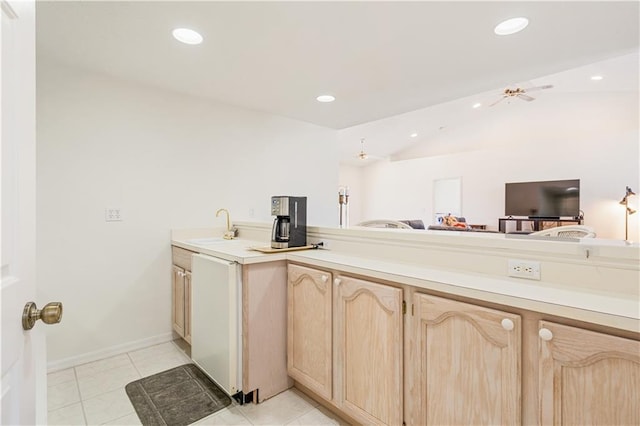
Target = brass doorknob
(50,314)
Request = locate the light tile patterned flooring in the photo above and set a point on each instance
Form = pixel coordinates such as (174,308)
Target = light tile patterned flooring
(93,394)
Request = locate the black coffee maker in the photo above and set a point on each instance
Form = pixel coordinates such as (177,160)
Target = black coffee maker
(290,225)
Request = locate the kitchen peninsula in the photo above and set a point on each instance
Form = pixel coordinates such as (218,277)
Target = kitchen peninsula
(366,321)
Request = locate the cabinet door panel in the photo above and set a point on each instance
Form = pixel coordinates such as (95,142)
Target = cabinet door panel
(177,309)
(468,363)
(187,307)
(309,328)
(588,378)
(369,342)
(264,329)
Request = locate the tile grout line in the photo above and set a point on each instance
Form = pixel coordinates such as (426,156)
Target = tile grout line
(125,390)
(245,417)
(102,371)
(84,414)
(312,407)
(134,365)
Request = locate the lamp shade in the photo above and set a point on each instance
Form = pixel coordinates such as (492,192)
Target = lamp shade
(628,193)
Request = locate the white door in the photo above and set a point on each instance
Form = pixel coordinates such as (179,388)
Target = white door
(23,352)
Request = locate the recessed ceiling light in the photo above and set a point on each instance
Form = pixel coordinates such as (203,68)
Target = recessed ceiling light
(477,105)
(414,135)
(596,77)
(511,26)
(325,98)
(187,36)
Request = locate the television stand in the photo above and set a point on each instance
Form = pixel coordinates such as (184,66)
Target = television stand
(536,224)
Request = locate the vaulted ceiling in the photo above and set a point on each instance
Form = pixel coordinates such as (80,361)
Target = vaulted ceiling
(378,59)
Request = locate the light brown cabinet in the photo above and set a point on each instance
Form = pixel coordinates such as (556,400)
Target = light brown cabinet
(181,293)
(587,378)
(369,350)
(264,329)
(345,343)
(466,368)
(309,328)
(177,299)
(449,361)
(466,363)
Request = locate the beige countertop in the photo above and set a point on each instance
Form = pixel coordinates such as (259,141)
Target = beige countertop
(237,250)
(600,307)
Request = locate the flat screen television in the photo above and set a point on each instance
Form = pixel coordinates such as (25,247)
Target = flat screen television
(549,199)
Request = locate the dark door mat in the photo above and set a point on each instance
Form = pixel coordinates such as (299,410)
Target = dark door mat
(179,396)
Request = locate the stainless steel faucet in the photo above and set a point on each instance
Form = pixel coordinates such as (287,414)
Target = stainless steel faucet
(229,234)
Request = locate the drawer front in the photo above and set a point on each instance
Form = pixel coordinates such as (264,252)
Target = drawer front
(181,257)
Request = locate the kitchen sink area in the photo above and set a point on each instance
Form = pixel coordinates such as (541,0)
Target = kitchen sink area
(206,241)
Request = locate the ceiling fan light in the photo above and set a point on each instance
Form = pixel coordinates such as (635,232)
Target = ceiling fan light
(511,26)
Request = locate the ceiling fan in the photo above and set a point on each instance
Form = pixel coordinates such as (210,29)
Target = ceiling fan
(520,93)
(362,155)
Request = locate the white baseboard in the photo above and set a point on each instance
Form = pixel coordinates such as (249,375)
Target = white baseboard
(74,361)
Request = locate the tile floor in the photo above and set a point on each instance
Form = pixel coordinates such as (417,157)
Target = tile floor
(93,394)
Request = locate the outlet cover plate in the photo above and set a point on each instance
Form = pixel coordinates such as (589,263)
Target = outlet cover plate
(529,269)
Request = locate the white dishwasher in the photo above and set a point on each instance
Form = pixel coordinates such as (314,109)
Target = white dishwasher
(216,329)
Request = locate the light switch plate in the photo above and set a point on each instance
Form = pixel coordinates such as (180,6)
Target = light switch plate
(112,214)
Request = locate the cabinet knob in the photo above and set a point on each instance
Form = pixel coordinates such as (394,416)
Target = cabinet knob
(337,281)
(545,334)
(324,278)
(507,324)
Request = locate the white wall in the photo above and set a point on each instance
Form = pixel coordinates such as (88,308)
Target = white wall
(590,136)
(168,161)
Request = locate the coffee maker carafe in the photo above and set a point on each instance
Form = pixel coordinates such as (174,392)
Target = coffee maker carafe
(290,225)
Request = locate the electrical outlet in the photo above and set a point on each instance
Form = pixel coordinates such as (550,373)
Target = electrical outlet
(112,214)
(529,269)
(325,243)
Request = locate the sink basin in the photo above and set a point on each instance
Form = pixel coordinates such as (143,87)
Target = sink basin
(206,241)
